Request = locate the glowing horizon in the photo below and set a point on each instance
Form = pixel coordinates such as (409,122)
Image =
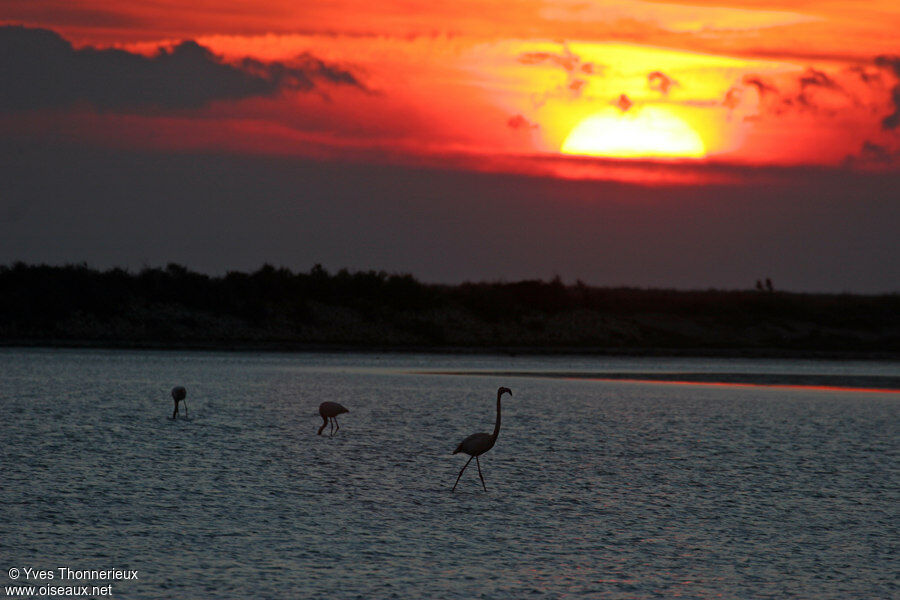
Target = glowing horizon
(645,133)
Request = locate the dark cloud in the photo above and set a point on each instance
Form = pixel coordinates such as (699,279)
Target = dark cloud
(892,63)
(865,75)
(577,85)
(735,93)
(762,87)
(536,58)
(811,91)
(889,62)
(624,103)
(893,120)
(48,72)
(732,98)
(659,81)
(571,63)
(815,78)
(567,59)
(877,153)
(873,155)
(520,122)
(812,79)
(831,93)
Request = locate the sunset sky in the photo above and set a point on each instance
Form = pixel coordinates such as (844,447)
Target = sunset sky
(651,143)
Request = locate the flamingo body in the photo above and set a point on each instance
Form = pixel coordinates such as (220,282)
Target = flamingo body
(478,443)
(179,394)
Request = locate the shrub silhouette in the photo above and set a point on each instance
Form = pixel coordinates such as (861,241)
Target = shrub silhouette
(76,304)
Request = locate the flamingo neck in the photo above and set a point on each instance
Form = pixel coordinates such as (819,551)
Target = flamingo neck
(497,424)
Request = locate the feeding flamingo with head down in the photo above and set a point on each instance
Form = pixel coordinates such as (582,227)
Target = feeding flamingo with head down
(179,394)
(330,410)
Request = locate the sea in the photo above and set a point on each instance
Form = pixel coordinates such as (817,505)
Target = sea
(612,477)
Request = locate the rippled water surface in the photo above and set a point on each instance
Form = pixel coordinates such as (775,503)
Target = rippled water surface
(595,489)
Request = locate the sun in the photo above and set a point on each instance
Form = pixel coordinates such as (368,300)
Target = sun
(648,132)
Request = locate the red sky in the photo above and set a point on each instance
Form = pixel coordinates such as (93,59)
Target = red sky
(755,82)
(724,92)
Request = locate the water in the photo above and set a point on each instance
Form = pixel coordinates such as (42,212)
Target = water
(596,489)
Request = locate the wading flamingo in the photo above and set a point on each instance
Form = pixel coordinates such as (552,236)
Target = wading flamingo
(330,410)
(179,394)
(478,443)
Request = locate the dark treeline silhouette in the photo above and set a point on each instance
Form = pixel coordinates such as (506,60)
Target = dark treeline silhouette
(280,309)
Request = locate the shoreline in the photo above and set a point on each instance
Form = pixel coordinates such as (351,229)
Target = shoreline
(854,383)
(299,348)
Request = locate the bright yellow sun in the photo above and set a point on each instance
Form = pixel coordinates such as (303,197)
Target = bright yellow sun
(648,132)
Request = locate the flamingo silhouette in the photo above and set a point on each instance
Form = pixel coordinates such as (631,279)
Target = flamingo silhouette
(330,410)
(179,394)
(478,443)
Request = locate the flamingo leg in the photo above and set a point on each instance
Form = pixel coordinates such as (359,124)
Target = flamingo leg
(331,431)
(461,471)
(479,473)
(336,423)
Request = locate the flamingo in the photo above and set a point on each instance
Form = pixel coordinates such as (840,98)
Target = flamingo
(179,394)
(330,410)
(478,443)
